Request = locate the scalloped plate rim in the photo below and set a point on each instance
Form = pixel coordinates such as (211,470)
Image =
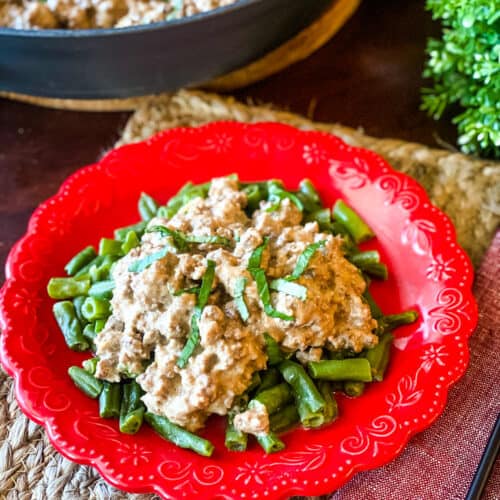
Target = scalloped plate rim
(283,493)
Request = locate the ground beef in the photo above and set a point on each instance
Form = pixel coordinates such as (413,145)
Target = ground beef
(151,320)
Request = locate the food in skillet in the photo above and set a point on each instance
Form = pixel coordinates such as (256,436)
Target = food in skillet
(86,14)
(237,299)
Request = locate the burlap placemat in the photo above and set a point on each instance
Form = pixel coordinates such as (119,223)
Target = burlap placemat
(467,189)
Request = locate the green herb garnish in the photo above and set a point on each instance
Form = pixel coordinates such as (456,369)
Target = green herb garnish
(182,240)
(182,291)
(289,287)
(194,334)
(263,290)
(304,259)
(142,264)
(239,299)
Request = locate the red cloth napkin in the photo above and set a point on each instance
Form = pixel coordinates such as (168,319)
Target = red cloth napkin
(439,463)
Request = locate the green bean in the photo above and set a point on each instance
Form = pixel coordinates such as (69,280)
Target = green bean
(309,418)
(147,207)
(273,351)
(99,325)
(353,388)
(310,196)
(284,419)
(273,398)
(102,289)
(86,382)
(65,315)
(93,308)
(323,217)
(254,196)
(184,195)
(276,194)
(131,241)
(77,303)
(90,365)
(303,387)
(84,271)
(102,271)
(132,421)
(378,356)
(357,369)
(357,228)
(67,288)
(109,401)
(89,332)
(80,260)
(108,246)
(179,436)
(392,321)
(270,442)
(376,270)
(374,308)
(331,409)
(138,228)
(361,259)
(254,382)
(269,378)
(236,440)
(131,409)
(289,287)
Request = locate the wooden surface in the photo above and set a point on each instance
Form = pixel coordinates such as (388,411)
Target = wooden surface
(368,75)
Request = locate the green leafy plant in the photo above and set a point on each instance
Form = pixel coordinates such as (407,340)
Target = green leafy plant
(465,67)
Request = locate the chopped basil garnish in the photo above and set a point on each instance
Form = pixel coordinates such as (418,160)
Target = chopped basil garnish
(239,299)
(201,302)
(177,237)
(259,276)
(142,264)
(289,287)
(263,289)
(256,256)
(212,239)
(304,258)
(181,240)
(182,291)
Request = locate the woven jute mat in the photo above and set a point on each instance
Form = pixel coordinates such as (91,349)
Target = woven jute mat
(467,189)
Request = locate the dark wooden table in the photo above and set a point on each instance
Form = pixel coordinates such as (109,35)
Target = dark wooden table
(368,75)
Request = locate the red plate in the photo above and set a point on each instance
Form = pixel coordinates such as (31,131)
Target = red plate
(428,271)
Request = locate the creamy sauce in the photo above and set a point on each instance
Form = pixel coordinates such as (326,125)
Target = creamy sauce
(149,320)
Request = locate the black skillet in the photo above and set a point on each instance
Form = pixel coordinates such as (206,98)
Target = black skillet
(146,59)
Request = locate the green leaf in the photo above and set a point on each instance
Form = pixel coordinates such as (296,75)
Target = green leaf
(263,290)
(288,287)
(194,334)
(141,264)
(304,259)
(239,299)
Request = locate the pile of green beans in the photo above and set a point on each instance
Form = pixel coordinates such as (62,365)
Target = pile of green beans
(291,393)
